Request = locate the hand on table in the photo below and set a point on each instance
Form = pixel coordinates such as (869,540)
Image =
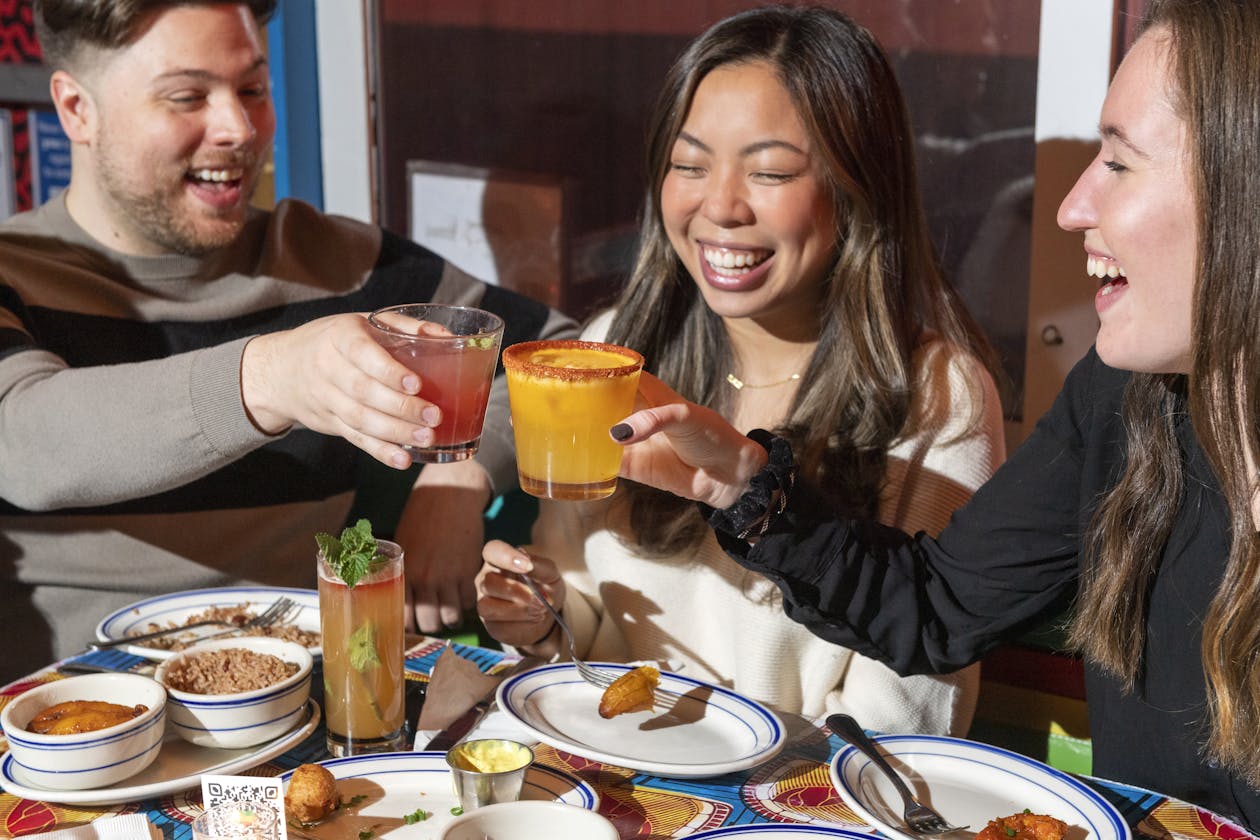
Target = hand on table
(685,448)
(508,608)
(331,376)
(442,531)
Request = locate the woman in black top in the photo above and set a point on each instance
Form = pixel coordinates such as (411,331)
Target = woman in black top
(1135,499)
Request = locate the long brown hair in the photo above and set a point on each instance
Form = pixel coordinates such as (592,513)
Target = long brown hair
(883,293)
(1215,70)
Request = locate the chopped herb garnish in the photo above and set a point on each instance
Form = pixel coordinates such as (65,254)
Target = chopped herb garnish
(368,833)
(457,810)
(1010,832)
(418,815)
(353,555)
(352,801)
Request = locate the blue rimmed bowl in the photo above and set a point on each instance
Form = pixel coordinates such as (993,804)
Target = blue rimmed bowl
(86,760)
(241,719)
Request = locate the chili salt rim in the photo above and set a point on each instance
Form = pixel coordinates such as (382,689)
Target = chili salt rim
(511,361)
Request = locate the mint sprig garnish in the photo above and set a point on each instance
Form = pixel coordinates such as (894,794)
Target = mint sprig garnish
(352,556)
(362,648)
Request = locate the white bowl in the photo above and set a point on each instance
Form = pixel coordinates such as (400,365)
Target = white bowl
(529,819)
(89,759)
(247,718)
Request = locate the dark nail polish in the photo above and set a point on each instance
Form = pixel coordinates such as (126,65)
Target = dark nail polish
(621,431)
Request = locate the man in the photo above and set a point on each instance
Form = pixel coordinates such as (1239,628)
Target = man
(179,372)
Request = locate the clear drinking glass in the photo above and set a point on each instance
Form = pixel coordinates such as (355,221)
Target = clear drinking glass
(362,638)
(455,350)
(565,395)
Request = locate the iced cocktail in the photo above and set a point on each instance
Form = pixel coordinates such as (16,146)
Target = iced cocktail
(361,629)
(454,349)
(565,395)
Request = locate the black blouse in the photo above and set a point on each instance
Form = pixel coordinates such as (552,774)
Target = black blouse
(1007,562)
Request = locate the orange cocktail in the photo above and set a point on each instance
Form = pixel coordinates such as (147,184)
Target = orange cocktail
(361,629)
(565,395)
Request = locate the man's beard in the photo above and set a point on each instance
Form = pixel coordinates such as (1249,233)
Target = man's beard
(162,215)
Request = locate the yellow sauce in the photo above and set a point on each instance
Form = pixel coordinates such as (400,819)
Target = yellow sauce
(490,756)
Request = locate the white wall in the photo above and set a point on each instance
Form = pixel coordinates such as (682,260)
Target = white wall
(345,148)
(1073,70)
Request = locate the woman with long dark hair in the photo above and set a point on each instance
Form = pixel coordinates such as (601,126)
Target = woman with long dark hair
(785,278)
(1137,496)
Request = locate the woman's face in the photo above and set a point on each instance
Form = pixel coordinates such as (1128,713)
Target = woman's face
(744,203)
(1135,204)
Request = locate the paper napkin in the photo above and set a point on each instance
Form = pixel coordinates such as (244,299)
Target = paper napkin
(126,827)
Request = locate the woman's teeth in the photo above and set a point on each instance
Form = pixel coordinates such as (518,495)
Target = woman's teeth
(1103,269)
(734,262)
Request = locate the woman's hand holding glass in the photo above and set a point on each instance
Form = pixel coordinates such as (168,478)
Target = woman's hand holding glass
(685,448)
(507,607)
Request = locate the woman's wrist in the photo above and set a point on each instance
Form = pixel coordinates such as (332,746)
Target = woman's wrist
(766,495)
(551,631)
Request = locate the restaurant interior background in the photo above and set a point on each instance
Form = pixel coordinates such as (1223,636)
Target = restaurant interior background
(509,137)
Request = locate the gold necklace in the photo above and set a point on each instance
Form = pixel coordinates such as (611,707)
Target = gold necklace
(739,384)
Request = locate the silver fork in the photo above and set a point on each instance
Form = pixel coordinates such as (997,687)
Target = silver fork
(920,818)
(283,609)
(593,675)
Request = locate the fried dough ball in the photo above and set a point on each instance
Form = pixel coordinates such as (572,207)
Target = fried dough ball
(312,794)
(1025,826)
(633,691)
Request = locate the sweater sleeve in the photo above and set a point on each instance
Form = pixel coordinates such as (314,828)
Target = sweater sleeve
(151,425)
(1006,561)
(953,442)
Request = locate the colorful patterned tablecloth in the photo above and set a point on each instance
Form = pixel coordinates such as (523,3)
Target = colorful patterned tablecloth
(793,787)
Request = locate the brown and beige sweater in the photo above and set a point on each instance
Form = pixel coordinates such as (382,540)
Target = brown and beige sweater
(128,466)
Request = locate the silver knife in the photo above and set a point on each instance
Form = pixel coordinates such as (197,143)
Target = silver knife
(465,723)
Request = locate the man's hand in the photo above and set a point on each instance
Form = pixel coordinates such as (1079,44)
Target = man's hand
(330,376)
(685,448)
(442,531)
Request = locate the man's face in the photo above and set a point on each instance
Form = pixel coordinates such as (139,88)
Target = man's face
(181,124)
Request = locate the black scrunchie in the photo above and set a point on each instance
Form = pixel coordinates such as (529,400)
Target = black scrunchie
(751,514)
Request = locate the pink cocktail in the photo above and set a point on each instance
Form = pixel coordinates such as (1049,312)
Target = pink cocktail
(454,349)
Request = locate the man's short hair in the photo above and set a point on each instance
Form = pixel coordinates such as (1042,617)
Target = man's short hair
(64,27)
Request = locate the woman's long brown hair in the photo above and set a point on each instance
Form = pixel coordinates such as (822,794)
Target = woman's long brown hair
(884,291)
(1214,67)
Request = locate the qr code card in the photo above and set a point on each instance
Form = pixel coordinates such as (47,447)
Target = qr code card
(246,791)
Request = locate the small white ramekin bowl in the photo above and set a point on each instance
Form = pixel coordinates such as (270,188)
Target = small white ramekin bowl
(530,819)
(90,759)
(247,718)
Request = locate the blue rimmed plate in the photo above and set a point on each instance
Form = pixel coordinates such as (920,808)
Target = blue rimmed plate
(179,766)
(394,785)
(177,607)
(780,831)
(709,731)
(969,783)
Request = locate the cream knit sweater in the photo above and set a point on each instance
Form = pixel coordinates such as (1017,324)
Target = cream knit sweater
(703,615)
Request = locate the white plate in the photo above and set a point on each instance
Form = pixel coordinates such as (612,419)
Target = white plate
(176,607)
(396,784)
(779,831)
(969,784)
(178,767)
(711,731)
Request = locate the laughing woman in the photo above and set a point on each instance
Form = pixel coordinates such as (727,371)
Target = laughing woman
(785,278)
(1137,494)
